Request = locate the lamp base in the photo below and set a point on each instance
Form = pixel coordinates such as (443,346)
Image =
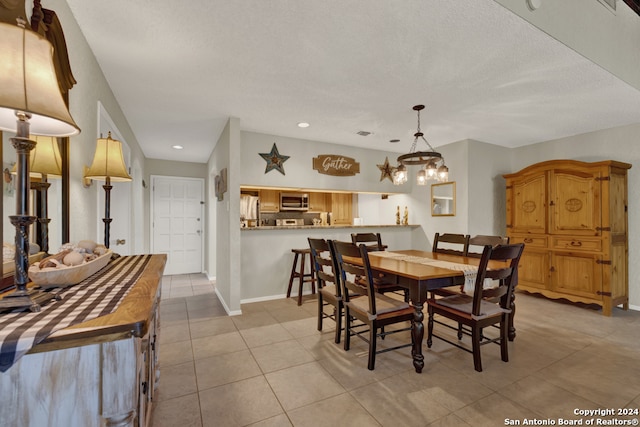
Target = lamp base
(33,299)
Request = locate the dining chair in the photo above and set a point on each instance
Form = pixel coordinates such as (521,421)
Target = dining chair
(373,310)
(383,282)
(482,241)
(372,240)
(329,291)
(485,308)
(454,244)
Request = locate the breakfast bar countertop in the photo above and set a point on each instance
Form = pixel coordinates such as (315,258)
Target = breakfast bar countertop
(321,227)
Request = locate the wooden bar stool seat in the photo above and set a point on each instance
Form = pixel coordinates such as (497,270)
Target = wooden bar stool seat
(300,274)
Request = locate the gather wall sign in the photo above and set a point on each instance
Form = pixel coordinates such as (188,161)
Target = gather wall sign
(336,165)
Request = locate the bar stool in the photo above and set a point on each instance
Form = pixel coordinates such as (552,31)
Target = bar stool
(303,277)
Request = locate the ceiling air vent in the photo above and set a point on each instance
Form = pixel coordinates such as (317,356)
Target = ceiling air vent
(364,133)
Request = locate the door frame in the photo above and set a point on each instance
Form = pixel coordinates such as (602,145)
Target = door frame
(153,178)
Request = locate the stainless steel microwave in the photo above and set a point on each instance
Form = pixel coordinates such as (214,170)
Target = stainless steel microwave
(294,201)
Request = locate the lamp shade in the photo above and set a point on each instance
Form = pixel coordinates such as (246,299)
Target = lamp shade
(108,161)
(29,84)
(45,158)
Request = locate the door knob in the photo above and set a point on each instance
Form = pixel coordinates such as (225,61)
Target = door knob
(120,241)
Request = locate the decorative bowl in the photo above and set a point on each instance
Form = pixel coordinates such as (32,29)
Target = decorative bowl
(62,277)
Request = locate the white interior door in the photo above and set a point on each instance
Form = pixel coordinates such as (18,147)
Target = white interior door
(177,222)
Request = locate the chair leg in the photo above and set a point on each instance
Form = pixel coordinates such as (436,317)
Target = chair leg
(475,342)
(293,274)
(512,329)
(313,276)
(347,329)
(372,347)
(338,312)
(459,331)
(320,311)
(429,328)
(504,335)
(301,280)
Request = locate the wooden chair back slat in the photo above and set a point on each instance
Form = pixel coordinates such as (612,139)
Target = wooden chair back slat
(482,241)
(461,240)
(372,240)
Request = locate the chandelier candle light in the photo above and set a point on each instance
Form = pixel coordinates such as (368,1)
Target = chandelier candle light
(30,103)
(433,162)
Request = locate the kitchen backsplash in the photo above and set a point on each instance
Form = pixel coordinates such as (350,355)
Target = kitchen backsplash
(269,219)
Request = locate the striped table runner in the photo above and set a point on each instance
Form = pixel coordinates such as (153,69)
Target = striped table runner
(470,271)
(98,295)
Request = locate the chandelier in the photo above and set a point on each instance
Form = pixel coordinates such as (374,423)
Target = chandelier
(432,162)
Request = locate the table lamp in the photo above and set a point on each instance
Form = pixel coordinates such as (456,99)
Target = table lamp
(46,162)
(30,103)
(108,165)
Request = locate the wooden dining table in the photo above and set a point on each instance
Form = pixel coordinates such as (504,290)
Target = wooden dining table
(420,278)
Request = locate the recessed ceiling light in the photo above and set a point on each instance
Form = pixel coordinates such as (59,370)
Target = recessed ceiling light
(177,147)
(394,140)
(364,133)
(303,125)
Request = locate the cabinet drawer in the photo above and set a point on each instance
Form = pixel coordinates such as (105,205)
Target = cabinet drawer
(532,241)
(577,244)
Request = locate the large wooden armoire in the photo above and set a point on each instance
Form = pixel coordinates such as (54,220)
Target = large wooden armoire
(572,218)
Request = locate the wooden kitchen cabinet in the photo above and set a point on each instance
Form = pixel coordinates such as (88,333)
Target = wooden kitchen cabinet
(318,202)
(269,200)
(572,218)
(341,208)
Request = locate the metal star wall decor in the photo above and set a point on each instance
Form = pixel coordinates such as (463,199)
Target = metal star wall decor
(274,160)
(386,170)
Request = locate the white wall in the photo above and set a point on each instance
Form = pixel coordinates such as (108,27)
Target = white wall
(224,231)
(486,188)
(610,39)
(298,168)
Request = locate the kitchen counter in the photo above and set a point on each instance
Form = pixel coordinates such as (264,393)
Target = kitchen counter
(266,256)
(322,227)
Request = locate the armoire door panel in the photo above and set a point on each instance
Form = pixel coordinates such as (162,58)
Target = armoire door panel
(528,205)
(575,203)
(577,274)
(533,269)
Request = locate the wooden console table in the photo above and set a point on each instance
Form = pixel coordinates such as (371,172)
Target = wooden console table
(101,372)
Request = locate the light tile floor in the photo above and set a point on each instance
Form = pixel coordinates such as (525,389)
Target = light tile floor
(271,367)
(186,285)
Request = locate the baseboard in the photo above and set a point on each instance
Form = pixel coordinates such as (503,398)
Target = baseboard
(261,299)
(226,308)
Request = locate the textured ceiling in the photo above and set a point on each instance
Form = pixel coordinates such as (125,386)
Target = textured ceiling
(483,73)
